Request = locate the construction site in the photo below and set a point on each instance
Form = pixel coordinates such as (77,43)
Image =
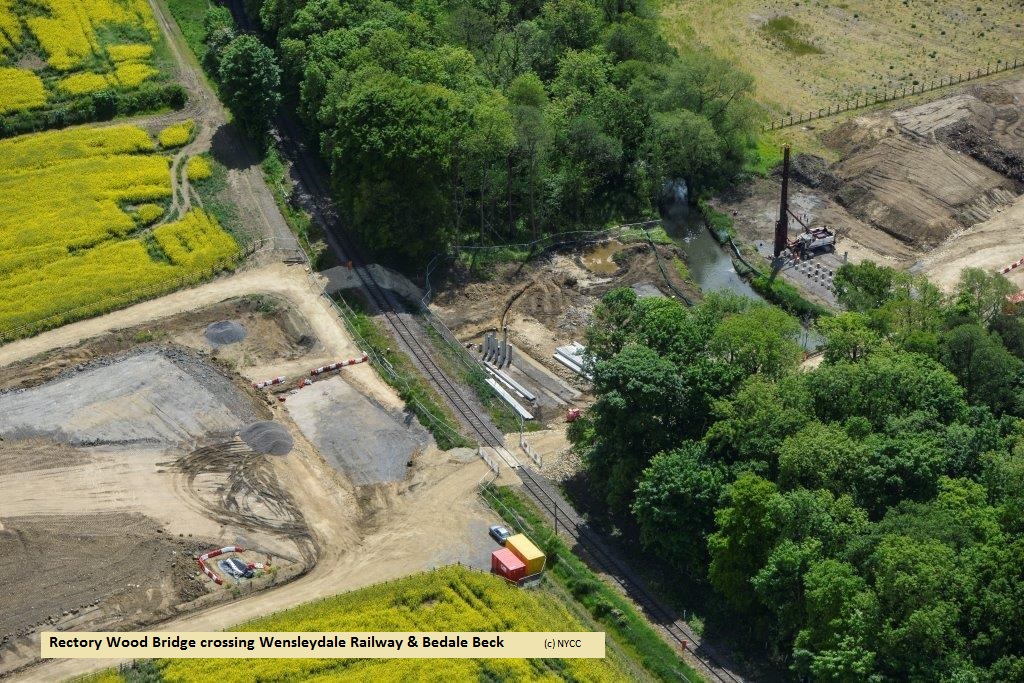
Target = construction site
(932,188)
(139,462)
(234,449)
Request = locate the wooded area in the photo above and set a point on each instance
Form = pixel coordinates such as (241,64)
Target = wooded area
(480,120)
(862,518)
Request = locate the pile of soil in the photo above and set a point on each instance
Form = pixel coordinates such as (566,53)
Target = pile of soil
(267,437)
(224,332)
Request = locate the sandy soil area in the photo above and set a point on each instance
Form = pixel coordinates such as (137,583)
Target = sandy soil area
(290,283)
(133,427)
(549,301)
(936,186)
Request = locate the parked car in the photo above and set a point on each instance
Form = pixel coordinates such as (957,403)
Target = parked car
(499,533)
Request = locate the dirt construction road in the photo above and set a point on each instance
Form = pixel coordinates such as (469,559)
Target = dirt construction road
(401,546)
(290,282)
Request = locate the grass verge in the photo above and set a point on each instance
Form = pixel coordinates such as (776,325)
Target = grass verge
(719,223)
(217,201)
(398,371)
(475,377)
(624,624)
(309,233)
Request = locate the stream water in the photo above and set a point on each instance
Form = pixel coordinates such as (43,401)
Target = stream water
(710,265)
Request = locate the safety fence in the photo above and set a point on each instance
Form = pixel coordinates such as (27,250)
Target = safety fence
(887,95)
(536,457)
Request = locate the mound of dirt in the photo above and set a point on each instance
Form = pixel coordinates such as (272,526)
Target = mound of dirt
(267,437)
(224,332)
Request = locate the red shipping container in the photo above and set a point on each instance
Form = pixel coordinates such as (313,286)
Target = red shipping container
(505,563)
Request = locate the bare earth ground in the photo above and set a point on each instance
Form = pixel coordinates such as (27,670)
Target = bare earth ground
(548,302)
(863,44)
(936,187)
(131,428)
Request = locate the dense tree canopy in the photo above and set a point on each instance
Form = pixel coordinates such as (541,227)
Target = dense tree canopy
(249,77)
(467,119)
(863,518)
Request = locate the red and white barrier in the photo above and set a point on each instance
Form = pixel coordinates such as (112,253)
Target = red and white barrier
(209,572)
(222,551)
(268,382)
(1016,264)
(340,364)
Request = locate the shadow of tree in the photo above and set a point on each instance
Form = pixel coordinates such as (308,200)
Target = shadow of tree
(230,148)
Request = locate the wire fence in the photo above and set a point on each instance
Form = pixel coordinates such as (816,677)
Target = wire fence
(887,95)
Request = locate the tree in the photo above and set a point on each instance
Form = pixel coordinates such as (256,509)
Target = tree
(752,424)
(744,536)
(917,586)
(982,293)
(639,412)
(885,385)
(837,640)
(250,82)
(848,336)
(863,287)
(688,147)
(989,374)
(821,456)
(674,506)
(762,340)
(611,325)
(218,32)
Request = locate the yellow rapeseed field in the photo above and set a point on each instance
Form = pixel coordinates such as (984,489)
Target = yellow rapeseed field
(74,39)
(20,89)
(449,599)
(68,34)
(69,247)
(83,82)
(176,134)
(199,168)
(10,27)
(147,213)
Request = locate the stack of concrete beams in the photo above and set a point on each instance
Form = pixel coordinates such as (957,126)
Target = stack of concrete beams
(573,356)
(498,355)
(497,352)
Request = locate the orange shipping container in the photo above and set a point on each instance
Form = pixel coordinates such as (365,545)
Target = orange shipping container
(526,551)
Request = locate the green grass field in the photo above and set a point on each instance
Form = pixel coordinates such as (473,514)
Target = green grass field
(805,55)
(448,599)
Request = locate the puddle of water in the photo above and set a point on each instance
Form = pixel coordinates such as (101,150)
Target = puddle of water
(599,259)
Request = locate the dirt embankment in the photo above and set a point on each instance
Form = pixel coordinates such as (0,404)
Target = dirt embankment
(548,302)
(934,184)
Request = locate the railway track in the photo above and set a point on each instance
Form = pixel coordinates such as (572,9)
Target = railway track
(413,340)
(568,521)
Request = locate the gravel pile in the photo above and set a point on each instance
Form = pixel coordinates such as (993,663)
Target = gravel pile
(267,437)
(224,332)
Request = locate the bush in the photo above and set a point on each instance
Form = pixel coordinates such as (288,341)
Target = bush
(786,297)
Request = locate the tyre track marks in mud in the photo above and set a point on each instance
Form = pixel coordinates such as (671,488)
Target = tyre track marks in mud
(250,496)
